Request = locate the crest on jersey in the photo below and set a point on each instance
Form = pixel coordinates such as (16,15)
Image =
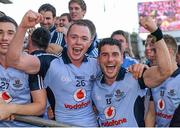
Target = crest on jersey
(80,94)
(119,95)
(17,84)
(161,104)
(172,92)
(110,112)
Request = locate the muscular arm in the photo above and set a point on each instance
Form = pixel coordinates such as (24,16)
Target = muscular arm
(157,74)
(28,63)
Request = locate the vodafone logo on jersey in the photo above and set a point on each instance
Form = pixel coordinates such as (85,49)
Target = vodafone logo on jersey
(161,104)
(80,94)
(110,112)
(5,96)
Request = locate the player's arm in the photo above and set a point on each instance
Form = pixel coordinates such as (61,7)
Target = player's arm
(150,117)
(15,58)
(37,107)
(155,75)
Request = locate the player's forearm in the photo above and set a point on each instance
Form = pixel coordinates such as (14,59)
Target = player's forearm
(27,109)
(163,58)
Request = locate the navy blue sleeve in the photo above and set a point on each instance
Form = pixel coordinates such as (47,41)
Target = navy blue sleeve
(175,122)
(36,80)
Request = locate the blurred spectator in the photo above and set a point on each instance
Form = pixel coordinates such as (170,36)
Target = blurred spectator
(64,19)
(123,39)
(49,13)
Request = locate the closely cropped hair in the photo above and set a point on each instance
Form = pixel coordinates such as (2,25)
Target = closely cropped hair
(68,16)
(92,26)
(41,37)
(6,18)
(170,42)
(108,41)
(121,32)
(48,7)
(81,3)
(82,22)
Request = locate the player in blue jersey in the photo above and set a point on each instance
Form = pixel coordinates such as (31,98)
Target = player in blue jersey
(38,43)
(70,81)
(15,92)
(166,96)
(117,95)
(77,11)
(67,76)
(150,61)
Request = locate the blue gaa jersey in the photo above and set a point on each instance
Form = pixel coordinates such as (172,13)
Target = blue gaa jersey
(36,80)
(122,103)
(167,99)
(72,87)
(128,61)
(14,88)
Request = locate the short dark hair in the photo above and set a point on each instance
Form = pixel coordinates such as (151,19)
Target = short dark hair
(92,27)
(48,7)
(121,32)
(67,15)
(6,18)
(108,41)
(41,37)
(81,3)
(170,42)
(82,22)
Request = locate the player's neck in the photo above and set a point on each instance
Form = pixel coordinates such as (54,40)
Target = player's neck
(110,81)
(77,63)
(3,61)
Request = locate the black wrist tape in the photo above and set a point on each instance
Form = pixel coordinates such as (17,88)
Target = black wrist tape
(157,34)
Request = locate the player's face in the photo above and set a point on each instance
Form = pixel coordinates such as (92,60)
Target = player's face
(78,41)
(7,32)
(76,11)
(48,21)
(148,48)
(63,21)
(110,61)
(122,40)
(57,22)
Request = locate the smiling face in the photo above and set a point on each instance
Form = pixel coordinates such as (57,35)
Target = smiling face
(76,12)
(78,41)
(48,21)
(110,61)
(63,21)
(7,32)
